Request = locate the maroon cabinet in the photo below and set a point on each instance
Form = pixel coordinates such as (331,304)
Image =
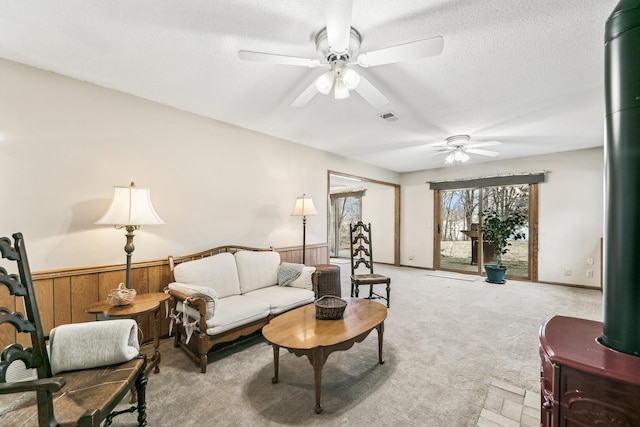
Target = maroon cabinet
(584,383)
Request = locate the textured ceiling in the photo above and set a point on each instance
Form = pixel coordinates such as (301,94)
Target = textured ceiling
(528,73)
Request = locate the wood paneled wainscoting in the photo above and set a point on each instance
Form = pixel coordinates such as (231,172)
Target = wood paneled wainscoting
(316,254)
(63,295)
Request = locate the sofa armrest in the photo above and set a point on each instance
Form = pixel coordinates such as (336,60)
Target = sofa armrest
(191,300)
(202,298)
(196,302)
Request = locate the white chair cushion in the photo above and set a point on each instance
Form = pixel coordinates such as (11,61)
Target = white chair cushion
(282,298)
(206,293)
(304,280)
(257,269)
(217,272)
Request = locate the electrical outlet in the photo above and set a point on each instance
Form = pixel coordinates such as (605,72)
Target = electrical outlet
(589,273)
(567,271)
(590,260)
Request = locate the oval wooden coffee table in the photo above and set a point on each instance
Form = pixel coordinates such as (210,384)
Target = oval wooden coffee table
(303,335)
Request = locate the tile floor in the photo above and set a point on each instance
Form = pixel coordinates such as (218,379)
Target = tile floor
(509,406)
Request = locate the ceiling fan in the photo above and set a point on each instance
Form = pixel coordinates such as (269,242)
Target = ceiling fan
(338,47)
(458,148)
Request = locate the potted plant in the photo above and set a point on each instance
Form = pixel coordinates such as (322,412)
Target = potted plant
(498,230)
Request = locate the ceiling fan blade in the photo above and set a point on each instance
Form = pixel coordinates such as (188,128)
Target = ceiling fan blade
(439,144)
(482,152)
(413,50)
(306,96)
(483,144)
(273,58)
(338,15)
(446,151)
(370,94)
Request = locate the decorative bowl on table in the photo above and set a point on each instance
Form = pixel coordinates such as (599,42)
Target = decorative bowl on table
(330,307)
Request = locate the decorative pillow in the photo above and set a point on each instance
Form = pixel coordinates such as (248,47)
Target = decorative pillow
(304,280)
(206,293)
(288,272)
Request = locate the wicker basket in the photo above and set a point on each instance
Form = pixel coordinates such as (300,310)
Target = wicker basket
(330,308)
(121,295)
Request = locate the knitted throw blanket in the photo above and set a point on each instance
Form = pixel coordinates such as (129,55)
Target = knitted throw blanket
(288,272)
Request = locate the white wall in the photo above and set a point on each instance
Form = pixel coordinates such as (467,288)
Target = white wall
(378,208)
(64,144)
(570,212)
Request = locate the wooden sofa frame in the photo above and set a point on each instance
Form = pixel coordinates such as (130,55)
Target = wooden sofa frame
(205,342)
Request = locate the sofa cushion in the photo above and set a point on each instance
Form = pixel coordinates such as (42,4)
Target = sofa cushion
(209,296)
(235,311)
(218,272)
(304,279)
(282,298)
(257,269)
(231,312)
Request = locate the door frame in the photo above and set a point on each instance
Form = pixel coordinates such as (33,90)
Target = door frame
(396,210)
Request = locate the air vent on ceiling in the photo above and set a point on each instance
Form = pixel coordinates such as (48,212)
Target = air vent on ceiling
(389,116)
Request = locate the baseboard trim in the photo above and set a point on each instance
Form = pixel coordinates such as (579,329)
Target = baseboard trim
(570,285)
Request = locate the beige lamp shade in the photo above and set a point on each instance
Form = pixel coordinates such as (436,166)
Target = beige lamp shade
(131,206)
(304,206)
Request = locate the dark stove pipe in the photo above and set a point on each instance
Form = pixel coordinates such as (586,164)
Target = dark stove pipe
(621,287)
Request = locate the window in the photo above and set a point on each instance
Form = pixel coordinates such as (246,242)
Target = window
(345,208)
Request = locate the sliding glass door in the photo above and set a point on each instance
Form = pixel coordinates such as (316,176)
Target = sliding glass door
(458,242)
(458,231)
(506,200)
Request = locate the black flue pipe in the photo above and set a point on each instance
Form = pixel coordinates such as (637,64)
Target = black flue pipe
(621,287)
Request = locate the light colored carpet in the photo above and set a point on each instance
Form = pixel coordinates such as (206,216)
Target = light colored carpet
(452,275)
(446,342)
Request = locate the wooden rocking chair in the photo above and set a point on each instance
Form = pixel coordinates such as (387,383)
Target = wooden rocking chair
(83,397)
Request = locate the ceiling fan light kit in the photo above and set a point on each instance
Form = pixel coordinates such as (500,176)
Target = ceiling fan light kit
(350,78)
(338,45)
(340,77)
(341,91)
(458,149)
(457,156)
(324,83)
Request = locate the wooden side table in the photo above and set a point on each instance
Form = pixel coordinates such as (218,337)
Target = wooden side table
(141,305)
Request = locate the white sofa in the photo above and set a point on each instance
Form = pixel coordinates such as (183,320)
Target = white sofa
(233,291)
